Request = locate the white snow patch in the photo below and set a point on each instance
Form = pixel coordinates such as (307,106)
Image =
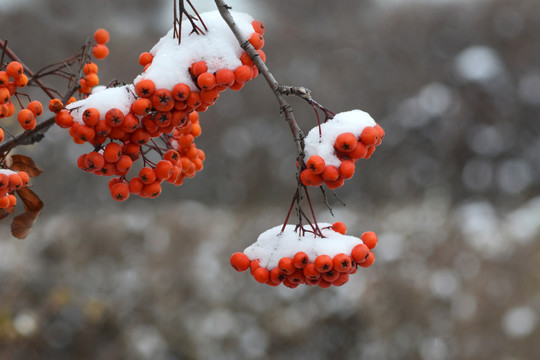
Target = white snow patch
(273,244)
(118,97)
(353,121)
(7,171)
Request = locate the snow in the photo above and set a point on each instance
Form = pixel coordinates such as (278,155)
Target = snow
(7,171)
(353,121)
(218,48)
(272,245)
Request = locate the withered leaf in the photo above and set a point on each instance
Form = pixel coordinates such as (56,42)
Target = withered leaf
(26,164)
(21,225)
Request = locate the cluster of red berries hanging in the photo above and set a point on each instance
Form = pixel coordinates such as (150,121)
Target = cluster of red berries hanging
(9,182)
(290,256)
(333,148)
(156,118)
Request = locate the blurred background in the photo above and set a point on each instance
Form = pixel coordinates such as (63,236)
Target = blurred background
(453,192)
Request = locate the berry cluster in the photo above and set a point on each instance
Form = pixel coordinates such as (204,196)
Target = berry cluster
(123,123)
(9,182)
(306,259)
(330,158)
(12,78)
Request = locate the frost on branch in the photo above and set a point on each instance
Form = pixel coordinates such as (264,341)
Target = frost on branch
(156,118)
(293,256)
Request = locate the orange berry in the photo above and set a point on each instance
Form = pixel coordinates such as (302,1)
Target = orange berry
(330,173)
(25,118)
(310,179)
(84,88)
(4,78)
(145,88)
(209,97)
(258,27)
(370,151)
(141,106)
(145,58)
(94,161)
(35,107)
(246,59)
(345,142)
(15,181)
(346,169)
(206,81)
(90,116)
(369,136)
(297,277)
(4,95)
(2,134)
(334,184)
(102,36)
(198,68)
(147,175)
(341,280)
(360,253)
(330,275)
(90,68)
(262,275)
(140,136)
(14,69)
(225,77)
(240,261)
(262,55)
(123,165)
(112,152)
(276,276)
(163,169)
(316,164)
(92,80)
(300,260)
(21,80)
(236,86)
(163,100)
(381,132)
(257,40)
(55,105)
(243,73)
(359,151)
(135,186)
(342,262)
(4,201)
(310,272)
(339,227)
(194,100)
(120,191)
(369,260)
(100,51)
(323,263)
(114,117)
(370,239)
(152,190)
(286,265)
(181,92)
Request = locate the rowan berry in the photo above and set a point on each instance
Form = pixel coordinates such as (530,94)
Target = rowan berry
(1,135)
(209,97)
(261,274)
(276,276)
(334,184)
(90,68)
(381,132)
(107,170)
(370,239)
(112,152)
(342,262)
(15,181)
(198,68)
(359,151)
(206,81)
(92,80)
(346,169)
(297,277)
(345,142)
(313,282)
(225,77)
(245,59)
(243,73)
(55,105)
(135,186)
(310,272)
(316,164)
(83,87)
(4,95)
(14,69)
(323,263)
(181,92)
(145,58)
(240,261)
(114,117)
(100,51)
(324,284)
(81,163)
(21,80)
(300,260)
(94,161)
(163,169)
(330,275)
(369,260)
(102,36)
(63,119)
(145,88)
(262,55)
(151,190)
(35,107)
(4,201)
(236,86)
(140,136)
(147,175)
(194,100)
(342,279)
(26,118)
(198,164)
(370,151)
(339,227)
(258,27)
(256,40)
(172,155)
(369,136)
(175,173)
(4,78)
(286,265)
(360,253)
(330,173)
(310,179)
(120,191)
(162,100)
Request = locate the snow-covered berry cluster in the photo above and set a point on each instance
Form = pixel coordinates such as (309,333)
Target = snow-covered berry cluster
(285,255)
(156,118)
(9,182)
(333,148)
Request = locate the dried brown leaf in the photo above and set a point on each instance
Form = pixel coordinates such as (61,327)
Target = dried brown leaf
(22,224)
(26,164)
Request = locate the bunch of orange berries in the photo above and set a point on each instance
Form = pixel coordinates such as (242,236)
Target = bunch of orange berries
(121,135)
(322,270)
(9,182)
